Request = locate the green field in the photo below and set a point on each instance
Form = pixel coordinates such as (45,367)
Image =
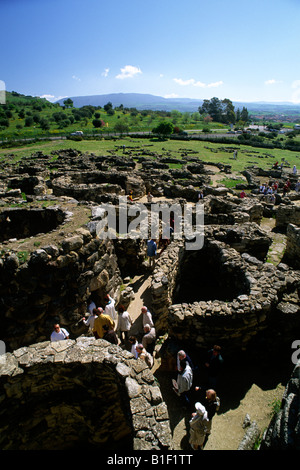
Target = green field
(48,120)
(27,117)
(205,151)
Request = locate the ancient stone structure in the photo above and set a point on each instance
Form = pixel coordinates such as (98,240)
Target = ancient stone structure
(94,186)
(287,214)
(225,293)
(54,285)
(292,252)
(283,430)
(22,223)
(228,210)
(84,394)
(220,295)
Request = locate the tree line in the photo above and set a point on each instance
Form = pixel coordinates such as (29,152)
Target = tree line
(223,111)
(31,112)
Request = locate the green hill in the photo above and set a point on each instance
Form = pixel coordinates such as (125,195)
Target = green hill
(27,117)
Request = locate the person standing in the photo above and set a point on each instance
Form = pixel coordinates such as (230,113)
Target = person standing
(184,381)
(58,333)
(124,324)
(110,335)
(149,338)
(130,196)
(100,322)
(182,355)
(91,319)
(151,251)
(213,364)
(133,342)
(198,427)
(110,308)
(91,306)
(212,405)
(147,317)
(149,197)
(143,354)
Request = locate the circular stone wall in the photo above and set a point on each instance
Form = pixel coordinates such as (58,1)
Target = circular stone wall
(87,392)
(203,275)
(254,304)
(23,223)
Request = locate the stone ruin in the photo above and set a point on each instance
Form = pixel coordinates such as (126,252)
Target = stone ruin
(218,295)
(250,298)
(21,223)
(283,430)
(86,393)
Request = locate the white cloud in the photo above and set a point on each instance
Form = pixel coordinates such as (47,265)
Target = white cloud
(105,73)
(200,84)
(272,82)
(52,98)
(76,78)
(195,83)
(129,71)
(48,97)
(181,82)
(215,84)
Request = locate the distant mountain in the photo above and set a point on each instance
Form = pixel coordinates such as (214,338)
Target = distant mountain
(136,100)
(158,103)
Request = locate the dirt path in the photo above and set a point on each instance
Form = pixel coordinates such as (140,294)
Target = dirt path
(227,429)
(141,287)
(278,245)
(250,389)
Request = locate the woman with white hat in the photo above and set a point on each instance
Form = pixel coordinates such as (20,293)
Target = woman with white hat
(198,427)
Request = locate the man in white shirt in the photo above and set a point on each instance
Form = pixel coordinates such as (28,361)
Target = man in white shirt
(124,324)
(91,319)
(58,333)
(149,338)
(184,381)
(147,317)
(110,308)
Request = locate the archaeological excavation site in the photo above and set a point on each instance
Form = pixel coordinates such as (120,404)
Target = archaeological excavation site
(239,291)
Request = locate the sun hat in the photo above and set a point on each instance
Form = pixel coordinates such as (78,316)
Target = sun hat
(201,410)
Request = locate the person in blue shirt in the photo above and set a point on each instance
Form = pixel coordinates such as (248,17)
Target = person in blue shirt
(151,251)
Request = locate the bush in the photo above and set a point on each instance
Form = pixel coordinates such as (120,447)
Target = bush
(164,128)
(98,123)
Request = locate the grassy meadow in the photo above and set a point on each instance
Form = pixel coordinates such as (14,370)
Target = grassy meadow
(25,117)
(206,151)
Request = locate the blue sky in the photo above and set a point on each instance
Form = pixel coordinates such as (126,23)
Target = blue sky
(244,51)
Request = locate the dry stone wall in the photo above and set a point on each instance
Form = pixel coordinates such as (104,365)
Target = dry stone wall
(84,394)
(54,285)
(287,214)
(261,305)
(22,223)
(292,252)
(283,430)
